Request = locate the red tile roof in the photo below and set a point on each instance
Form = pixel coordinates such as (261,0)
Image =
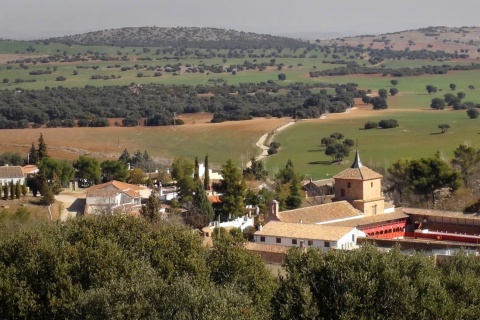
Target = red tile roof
(362,173)
(321,213)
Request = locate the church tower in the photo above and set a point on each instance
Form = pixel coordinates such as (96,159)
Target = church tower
(361,187)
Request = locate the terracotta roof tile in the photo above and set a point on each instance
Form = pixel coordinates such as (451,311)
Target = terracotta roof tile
(440,213)
(259,247)
(320,213)
(362,173)
(119,185)
(385,217)
(11,172)
(303,231)
(102,192)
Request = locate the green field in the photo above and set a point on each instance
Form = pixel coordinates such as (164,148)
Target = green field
(417,136)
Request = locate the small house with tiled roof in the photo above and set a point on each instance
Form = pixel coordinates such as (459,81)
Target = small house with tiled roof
(361,187)
(301,235)
(114,197)
(11,174)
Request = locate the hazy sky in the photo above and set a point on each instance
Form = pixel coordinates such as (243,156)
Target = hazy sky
(31,19)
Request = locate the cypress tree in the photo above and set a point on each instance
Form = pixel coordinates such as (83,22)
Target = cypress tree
(47,194)
(206,177)
(18,190)
(12,190)
(32,155)
(200,201)
(150,210)
(195,174)
(5,191)
(42,148)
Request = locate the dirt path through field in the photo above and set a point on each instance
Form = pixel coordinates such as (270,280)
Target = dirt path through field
(261,142)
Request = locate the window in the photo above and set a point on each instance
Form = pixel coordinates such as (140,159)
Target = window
(326,244)
(353,237)
(262,239)
(348,184)
(371,184)
(279,240)
(294,241)
(342,192)
(310,242)
(374,210)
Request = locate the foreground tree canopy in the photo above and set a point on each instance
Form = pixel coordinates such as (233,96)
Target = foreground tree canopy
(115,267)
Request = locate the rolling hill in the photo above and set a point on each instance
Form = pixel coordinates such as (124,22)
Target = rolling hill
(178,37)
(464,40)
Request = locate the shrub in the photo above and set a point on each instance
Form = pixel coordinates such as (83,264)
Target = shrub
(272,151)
(370,125)
(274,145)
(386,124)
(472,113)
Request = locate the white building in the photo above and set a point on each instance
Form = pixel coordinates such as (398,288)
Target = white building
(323,237)
(115,197)
(11,174)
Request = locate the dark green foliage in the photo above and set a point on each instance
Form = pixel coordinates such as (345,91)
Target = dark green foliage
(362,284)
(87,169)
(282,77)
(125,157)
(437,104)
(451,99)
(32,155)
(202,209)
(386,124)
(271,151)
(453,86)
(62,169)
(379,103)
(431,89)
(195,170)
(467,161)
(47,194)
(233,191)
(151,209)
(42,148)
(393,91)
(370,125)
(18,190)
(444,127)
(288,187)
(182,172)
(429,174)
(394,82)
(256,170)
(206,177)
(472,113)
(228,261)
(335,147)
(11,187)
(11,159)
(382,93)
(114,170)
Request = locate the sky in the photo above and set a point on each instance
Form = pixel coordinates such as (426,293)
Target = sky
(34,19)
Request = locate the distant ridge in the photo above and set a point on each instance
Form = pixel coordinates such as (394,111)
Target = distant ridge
(461,40)
(178,37)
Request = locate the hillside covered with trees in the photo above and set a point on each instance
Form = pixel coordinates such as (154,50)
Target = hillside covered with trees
(179,37)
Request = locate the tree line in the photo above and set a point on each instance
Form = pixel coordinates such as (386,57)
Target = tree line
(120,266)
(91,106)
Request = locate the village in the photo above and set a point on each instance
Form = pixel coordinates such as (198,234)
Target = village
(341,213)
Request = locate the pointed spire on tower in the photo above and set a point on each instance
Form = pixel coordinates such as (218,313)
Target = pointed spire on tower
(357,163)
